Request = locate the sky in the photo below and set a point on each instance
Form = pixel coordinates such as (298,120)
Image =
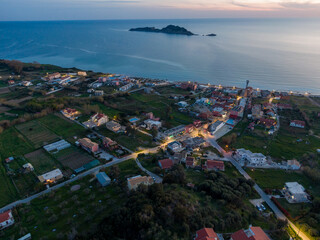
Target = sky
(30,10)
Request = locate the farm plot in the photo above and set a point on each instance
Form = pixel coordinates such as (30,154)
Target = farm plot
(37,133)
(41,161)
(73,158)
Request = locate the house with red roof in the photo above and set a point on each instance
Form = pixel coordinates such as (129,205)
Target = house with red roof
(284,106)
(189,128)
(190,162)
(6,219)
(70,113)
(165,163)
(215,165)
(297,123)
(253,233)
(267,122)
(206,234)
(197,123)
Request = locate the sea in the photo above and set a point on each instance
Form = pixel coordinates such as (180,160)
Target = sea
(274,54)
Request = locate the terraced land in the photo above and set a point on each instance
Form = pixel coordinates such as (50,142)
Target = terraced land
(37,133)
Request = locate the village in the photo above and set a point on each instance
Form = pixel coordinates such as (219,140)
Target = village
(158,126)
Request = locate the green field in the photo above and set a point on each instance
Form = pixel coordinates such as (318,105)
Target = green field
(62,127)
(42,161)
(130,142)
(37,133)
(8,193)
(12,143)
(275,179)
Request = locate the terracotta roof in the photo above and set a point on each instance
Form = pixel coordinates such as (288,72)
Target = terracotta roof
(135,181)
(87,142)
(206,234)
(189,161)
(259,234)
(166,163)
(253,233)
(211,164)
(239,235)
(5,216)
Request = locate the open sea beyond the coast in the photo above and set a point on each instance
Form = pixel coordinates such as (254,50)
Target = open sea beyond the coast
(280,54)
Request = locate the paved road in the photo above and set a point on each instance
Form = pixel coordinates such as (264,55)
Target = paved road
(155,176)
(262,194)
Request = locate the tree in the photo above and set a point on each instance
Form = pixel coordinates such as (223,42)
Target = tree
(114,171)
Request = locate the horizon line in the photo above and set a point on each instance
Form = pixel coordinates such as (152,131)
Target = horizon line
(141,19)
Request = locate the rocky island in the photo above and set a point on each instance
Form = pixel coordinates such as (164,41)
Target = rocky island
(170,29)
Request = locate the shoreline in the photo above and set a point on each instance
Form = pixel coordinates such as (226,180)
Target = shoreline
(239,85)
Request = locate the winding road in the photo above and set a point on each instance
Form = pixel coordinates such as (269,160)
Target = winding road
(262,194)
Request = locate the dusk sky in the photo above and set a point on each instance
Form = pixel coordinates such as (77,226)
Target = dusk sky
(11,10)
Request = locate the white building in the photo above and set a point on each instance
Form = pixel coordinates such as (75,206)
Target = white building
(183,104)
(175,147)
(28,166)
(6,219)
(126,87)
(57,146)
(214,127)
(152,123)
(252,158)
(294,192)
(51,176)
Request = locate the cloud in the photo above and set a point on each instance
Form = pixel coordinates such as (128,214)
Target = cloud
(298,5)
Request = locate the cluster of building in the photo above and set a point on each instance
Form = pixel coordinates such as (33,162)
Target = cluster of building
(181,130)
(252,233)
(265,115)
(96,120)
(62,78)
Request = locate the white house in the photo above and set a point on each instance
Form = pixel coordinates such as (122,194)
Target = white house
(252,158)
(294,192)
(6,219)
(152,123)
(297,123)
(51,176)
(183,104)
(126,87)
(28,167)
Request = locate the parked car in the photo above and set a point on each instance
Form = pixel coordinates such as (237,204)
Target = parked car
(263,207)
(259,208)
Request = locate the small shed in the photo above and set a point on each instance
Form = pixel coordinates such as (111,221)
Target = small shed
(103,179)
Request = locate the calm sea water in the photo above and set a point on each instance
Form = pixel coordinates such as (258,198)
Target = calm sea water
(276,54)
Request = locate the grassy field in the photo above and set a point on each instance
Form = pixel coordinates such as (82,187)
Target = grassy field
(282,146)
(12,143)
(62,127)
(295,209)
(42,161)
(130,142)
(275,179)
(37,133)
(8,193)
(73,157)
